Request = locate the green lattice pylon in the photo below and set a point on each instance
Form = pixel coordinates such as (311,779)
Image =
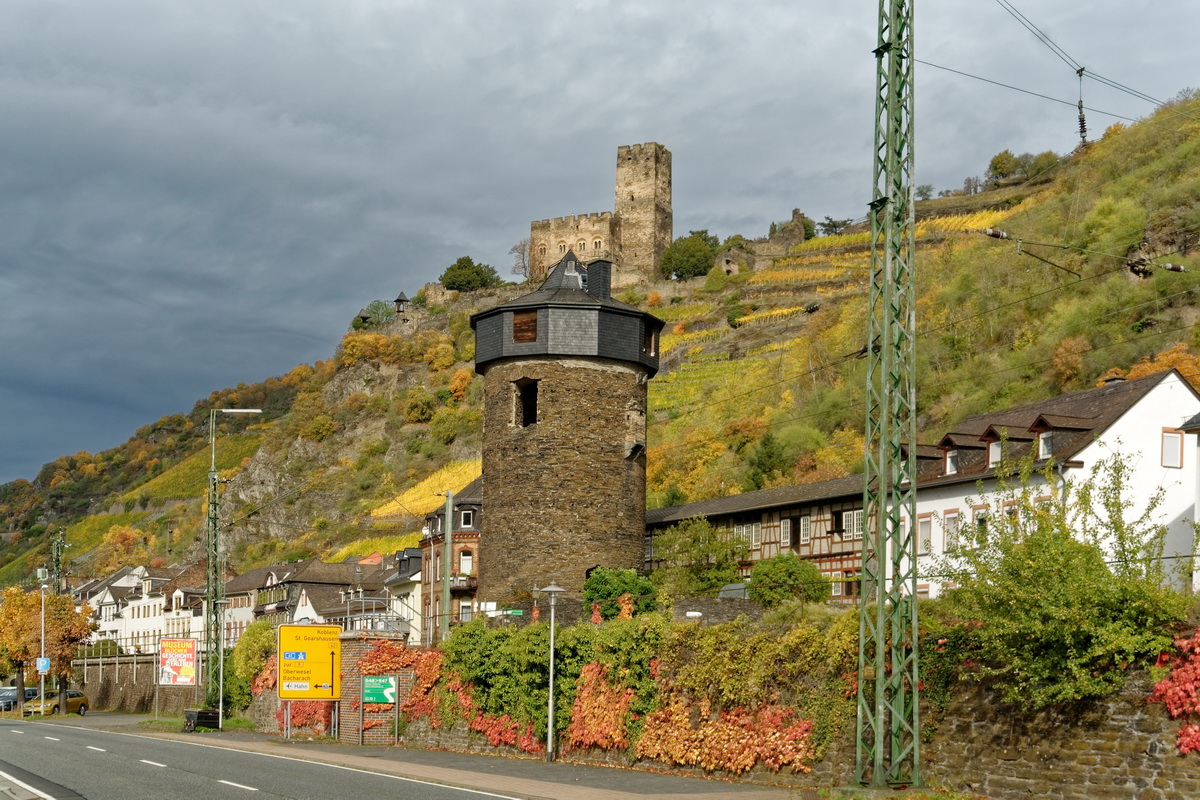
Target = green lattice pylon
(888,732)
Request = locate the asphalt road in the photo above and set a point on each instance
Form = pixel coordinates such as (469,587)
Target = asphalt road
(66,762)
(107,756)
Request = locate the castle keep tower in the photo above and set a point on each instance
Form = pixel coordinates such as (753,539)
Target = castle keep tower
(564,431)
(643,205)
(633,235)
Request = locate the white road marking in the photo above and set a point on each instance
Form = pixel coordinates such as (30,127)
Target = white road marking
(238,785)
(51,738)
(97,749)
(10,730)
(25,786)
(152,763)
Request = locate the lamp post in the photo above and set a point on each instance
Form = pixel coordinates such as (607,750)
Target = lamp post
(42,660)
(214,585)
(552,591)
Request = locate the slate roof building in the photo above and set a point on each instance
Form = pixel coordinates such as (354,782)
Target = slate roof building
(564,434)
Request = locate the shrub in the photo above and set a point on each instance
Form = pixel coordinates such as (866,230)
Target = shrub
(787,576)
(605,586)
(1046,612)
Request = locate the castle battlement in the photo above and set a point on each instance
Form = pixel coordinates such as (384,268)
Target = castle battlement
(573,219)
(638,149)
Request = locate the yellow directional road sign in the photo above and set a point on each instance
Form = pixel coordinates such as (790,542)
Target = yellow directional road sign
(309,659)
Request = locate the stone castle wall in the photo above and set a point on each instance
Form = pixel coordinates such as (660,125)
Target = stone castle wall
(633,236)
(591,236)
(562,491)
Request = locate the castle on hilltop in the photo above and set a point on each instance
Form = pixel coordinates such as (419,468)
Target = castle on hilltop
(632,236)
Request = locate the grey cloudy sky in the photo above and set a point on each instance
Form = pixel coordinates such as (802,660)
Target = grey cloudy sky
(196,194)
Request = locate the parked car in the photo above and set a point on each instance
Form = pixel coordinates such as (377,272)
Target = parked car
(8,697)
(77,703)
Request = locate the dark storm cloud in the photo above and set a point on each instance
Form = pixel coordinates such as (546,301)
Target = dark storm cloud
(198,194)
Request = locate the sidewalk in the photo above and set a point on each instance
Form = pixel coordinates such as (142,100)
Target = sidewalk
(527,779)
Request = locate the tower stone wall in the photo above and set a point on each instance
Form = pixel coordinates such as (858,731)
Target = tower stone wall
(643,203)
(569,492)
(633,236)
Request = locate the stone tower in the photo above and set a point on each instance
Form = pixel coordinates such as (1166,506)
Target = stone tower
(633,236)
(643,204)
(564,431)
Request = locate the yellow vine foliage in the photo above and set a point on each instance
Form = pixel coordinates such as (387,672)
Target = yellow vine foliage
(423,498)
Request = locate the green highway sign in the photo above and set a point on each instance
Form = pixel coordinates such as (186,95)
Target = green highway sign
(378,689)
(515,612)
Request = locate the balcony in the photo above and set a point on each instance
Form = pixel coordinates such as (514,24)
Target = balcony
(463,583)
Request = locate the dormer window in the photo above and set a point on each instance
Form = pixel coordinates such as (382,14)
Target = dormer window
(468,519)
(952,462)
(994,453)
(1045,444)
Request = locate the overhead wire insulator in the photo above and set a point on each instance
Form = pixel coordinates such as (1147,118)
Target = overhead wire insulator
(1174,267)
(995,233)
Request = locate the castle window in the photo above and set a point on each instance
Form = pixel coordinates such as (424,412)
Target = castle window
(542,250)
(581,246)
(596,245)
(526,402)
(524,326)
(562,247)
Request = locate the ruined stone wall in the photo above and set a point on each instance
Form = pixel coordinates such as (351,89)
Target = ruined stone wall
(561,494)
(591,236)
(643,202)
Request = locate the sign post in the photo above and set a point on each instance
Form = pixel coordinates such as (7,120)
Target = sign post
(309,659)
(375,689)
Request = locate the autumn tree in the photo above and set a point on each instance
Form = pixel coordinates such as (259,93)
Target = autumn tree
(21,632)
(520,254)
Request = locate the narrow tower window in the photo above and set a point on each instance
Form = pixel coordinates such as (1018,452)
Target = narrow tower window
(526,405)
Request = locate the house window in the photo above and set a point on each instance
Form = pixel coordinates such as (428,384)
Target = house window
(836,585)
(465,560)
(805,530)
(849,523)
(950,530)
(1172,448)
(756,534)
(981,525)
(1045,444)
(464,611)
(951,462)
(524,326)
(468,519)
(994,453)
(785,533)
(924,535)
(525,412)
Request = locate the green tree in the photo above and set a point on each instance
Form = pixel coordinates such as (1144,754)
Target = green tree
(689,256)
(1002,165)
(786,576)
(924,191)
(696,559)
(253,648)
(378,312)
(464,275)
(1063,594)
(770,459)
(833,226)
(605,585)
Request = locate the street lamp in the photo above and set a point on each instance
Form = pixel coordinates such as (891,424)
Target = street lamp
(214,585)
(552,591)
(43,667)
